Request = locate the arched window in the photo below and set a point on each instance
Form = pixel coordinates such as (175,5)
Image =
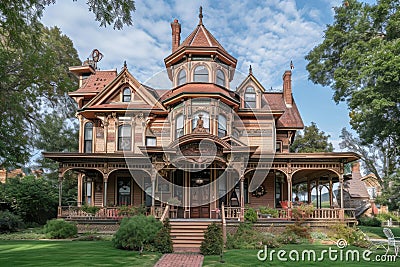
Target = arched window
(181,77)
(200,74)
(126,95)
(179,126)
(201,121)
(124,137)
(221,126)
(88,137)
(250,98)
(220,78)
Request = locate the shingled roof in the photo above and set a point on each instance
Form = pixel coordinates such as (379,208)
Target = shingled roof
(97,81)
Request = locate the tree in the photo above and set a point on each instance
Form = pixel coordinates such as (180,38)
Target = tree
(375,156)
(22,16)
(311,140)
(359,60)
(34,199)
(32,79)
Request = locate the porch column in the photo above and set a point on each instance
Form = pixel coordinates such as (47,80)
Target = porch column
(341,191)
(80,183)
(60,179)
(105,178)
(309,191)
(153,189)
(316,191)
(242,198)
(330,192)
(289,181)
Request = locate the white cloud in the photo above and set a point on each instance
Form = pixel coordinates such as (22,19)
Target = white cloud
(265,34)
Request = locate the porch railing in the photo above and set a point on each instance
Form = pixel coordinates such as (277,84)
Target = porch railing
(232,213)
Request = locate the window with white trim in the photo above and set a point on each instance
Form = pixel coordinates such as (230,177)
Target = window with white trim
(88,137)
(250,98)
(124,137)
(181,77)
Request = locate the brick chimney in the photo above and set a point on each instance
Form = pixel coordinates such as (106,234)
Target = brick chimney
(176,35)
(287,88)
(355,167)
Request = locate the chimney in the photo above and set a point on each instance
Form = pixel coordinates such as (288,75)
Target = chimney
(287,88)
(176,35)
(355,167)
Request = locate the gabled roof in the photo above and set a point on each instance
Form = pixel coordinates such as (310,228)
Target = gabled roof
(123,78)
(290,118)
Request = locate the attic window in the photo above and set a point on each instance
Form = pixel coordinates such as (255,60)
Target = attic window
(200,74)
(220,78)
(126,95)
(181,77)
(250,98)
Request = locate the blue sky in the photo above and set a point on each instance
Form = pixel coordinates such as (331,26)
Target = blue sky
(266,34)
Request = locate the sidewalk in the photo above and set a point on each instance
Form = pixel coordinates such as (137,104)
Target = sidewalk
(180,260)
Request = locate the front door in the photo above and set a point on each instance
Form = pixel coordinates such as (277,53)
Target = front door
(200,194)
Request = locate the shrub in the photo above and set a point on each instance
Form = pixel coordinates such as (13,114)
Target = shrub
(131,210)
(163,241)
(90,209)
(250,215)
(271,211)
(352,235)
(9,222)
(288,238)
(136,232)
(213,242)
(248,238)
(299,230)
(369,221)
(60,229)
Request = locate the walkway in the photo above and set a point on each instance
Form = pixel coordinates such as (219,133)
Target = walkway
(180,260)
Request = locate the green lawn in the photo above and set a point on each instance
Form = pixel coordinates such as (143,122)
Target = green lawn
(249,258)
(70,253)
(377,232)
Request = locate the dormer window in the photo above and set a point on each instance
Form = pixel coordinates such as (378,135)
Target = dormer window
(200,74)
(181,77)
(250,98)
(88,137)
(126,95)
(220,78)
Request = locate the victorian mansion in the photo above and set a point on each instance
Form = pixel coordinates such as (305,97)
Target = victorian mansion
(197,145)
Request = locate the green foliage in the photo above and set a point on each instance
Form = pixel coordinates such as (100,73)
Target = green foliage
(297,229)
(311,140)
(136,232)
(369,221)
(271,211)
(33,199)
(9,222)
(60,229)
(387,216)
(358,59)
(248,238)
(250,215)
(391,192)
(352,235)
(131,210)
(213,241)
(90,209)
(289,238)
(163,241)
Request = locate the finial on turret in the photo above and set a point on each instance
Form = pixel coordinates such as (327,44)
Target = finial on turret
(291,65)
(250,70)
(125,66)
(201,15)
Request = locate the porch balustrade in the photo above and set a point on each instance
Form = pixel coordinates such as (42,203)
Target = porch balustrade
(229,213)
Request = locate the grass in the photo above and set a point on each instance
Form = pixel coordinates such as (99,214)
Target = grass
(70,253)
(243,257)
(377,232)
